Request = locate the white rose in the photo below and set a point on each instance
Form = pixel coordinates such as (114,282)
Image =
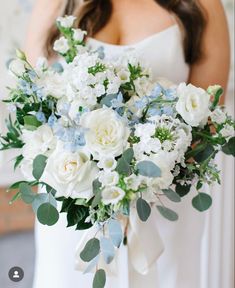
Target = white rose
(218,116)
(107,132)
(112,195)
(227,131)
(67,21)
(17,67)
(193,104)
(70,174)
(40,141)
(61,45)
(78,35)
(108,178)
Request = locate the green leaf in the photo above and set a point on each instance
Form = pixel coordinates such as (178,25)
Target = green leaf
(39,165)
(18,160)
(167,213)
(96,185)
(182,190)
(123,164)
(217,96)
(205,154)
(99,279)
(14,198)
(229,148)
(115,232)
(31,123)
(148,168)
(91,250)
(107,100)
(143,209)
(26,193)
(47,214)
(172,195)
(107,250)
(75,214)
(41,198)
(202,202)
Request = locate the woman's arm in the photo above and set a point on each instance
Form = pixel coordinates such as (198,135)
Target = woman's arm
(43,16)
(213,68)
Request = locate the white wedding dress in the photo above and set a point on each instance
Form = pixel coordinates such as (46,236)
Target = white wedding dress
(179,266)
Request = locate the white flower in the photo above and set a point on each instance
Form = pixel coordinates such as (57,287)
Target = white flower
(78,35)
(108,178)
(218,116)
(61,45)
(133,181)
(107,163)
(67,21)
(124,75)
(112,195)
(107,132)
(41,64)
(40,141)
(70,174)
(145,130)
(227,131)
(17,67)
(212,90)
(193,104)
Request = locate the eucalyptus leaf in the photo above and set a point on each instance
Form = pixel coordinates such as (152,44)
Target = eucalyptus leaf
(92,264)
(202,202)
(115,232)
(148,168)
(39,165)
(27,194)
(172,195)
(123,164)
(143,209)
(96,187)
(47,214)
(229,148)
(167,213)
(41,198)
(99,279)
(91,250)
(107,100)
(107,250)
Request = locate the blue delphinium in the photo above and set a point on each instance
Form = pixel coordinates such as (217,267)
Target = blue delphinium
(41,117)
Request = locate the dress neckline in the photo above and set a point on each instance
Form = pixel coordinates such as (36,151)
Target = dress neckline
(155,35)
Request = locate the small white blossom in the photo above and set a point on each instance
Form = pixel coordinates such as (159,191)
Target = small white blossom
(227,131)
(67,21)
(78,35)
(218,116)
(108,178)
(107,163)
(61,45)
(112,195)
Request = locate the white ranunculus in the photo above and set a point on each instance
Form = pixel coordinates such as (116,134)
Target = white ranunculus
(107,132)
(40,141)
(112,195)
(66,21)
(108,178)
(218,116)
(61,45)
(78,35)
(17,67)
(193,104)
(70,174)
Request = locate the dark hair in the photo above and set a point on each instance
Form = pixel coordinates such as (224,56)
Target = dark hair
(94,14)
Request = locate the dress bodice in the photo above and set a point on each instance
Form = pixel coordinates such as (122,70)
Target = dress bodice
(163,52)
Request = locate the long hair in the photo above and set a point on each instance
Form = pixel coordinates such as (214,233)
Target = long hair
(93,15)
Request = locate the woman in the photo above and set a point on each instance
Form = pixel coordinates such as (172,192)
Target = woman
(181,40)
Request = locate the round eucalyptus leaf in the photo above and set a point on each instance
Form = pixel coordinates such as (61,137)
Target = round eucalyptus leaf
(91,250)
(202,202)
(27,194)
(47,214)
(39,165)
(148,169)
(143,209)
(168,213)
(99,279)
(172,195)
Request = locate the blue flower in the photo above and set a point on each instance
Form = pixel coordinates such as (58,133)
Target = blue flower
(41,116)
(156,92)
(117,102)
(170,94)
(100,52)
(52,120)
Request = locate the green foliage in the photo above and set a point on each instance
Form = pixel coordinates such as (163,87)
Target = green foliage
(229,148)
(26,192)
(115,232)
(182,190)
(31,122)
(107,250)
(39,165)
(172,195)
(148,168)
(47,214)
(202,202)
(167,213)
(99,279)
(124,163)
(143,209)
(91,250)
(96,186)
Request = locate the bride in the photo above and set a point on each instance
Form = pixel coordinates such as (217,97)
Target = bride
(180,40)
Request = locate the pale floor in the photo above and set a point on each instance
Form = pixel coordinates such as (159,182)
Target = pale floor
(17,250)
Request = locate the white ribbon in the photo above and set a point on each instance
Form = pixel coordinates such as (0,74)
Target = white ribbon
(144,245)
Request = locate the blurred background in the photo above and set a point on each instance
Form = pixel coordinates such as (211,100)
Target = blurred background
(17,220)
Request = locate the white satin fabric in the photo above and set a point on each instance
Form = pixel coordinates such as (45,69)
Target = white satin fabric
(179,264)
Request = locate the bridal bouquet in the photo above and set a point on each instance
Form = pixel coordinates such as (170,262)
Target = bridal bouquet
(103,137)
